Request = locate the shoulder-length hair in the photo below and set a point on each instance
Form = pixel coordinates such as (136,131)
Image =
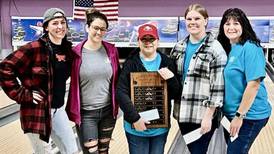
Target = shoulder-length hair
(247,31)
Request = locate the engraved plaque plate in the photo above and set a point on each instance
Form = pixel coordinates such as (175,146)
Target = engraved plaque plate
(149,91)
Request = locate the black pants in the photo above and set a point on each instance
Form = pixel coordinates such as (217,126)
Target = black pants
(199,146)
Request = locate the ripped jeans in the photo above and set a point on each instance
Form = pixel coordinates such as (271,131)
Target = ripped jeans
(96,129)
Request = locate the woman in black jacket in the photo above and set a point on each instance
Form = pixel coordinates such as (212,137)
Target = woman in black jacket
(140,138)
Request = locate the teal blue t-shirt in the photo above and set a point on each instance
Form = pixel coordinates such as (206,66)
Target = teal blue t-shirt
(190,50)
(245,63)
(152,65)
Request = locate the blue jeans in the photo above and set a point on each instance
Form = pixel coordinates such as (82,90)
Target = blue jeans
(62,135)
(199,146)
(146,145)
(248,133)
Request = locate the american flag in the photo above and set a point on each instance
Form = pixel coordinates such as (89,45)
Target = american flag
(107,7)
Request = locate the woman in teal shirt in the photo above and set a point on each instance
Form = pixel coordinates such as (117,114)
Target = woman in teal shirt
(246,104)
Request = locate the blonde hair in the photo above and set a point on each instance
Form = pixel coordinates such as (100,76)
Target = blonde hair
(197,7)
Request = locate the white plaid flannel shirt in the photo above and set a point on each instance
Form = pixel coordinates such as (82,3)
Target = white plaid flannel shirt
(204,83)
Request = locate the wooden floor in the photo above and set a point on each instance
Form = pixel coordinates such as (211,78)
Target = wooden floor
(4,100)
(13,141)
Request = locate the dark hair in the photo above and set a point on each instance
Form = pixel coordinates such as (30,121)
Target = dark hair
(247,34)
(92,14)
(197,7)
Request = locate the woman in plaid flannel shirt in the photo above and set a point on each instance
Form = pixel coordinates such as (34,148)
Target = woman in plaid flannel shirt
(200,62)
(42,66)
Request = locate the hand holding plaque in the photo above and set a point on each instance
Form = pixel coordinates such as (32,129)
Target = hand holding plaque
(165,73)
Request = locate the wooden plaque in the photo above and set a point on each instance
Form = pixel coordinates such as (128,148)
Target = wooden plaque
(149,91)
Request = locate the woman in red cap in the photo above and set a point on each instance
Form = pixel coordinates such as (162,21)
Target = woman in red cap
(142,140)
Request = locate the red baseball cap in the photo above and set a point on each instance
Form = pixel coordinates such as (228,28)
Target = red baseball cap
(148,29)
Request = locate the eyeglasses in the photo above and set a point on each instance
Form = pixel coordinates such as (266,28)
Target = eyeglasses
(148,39)
(97,28)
